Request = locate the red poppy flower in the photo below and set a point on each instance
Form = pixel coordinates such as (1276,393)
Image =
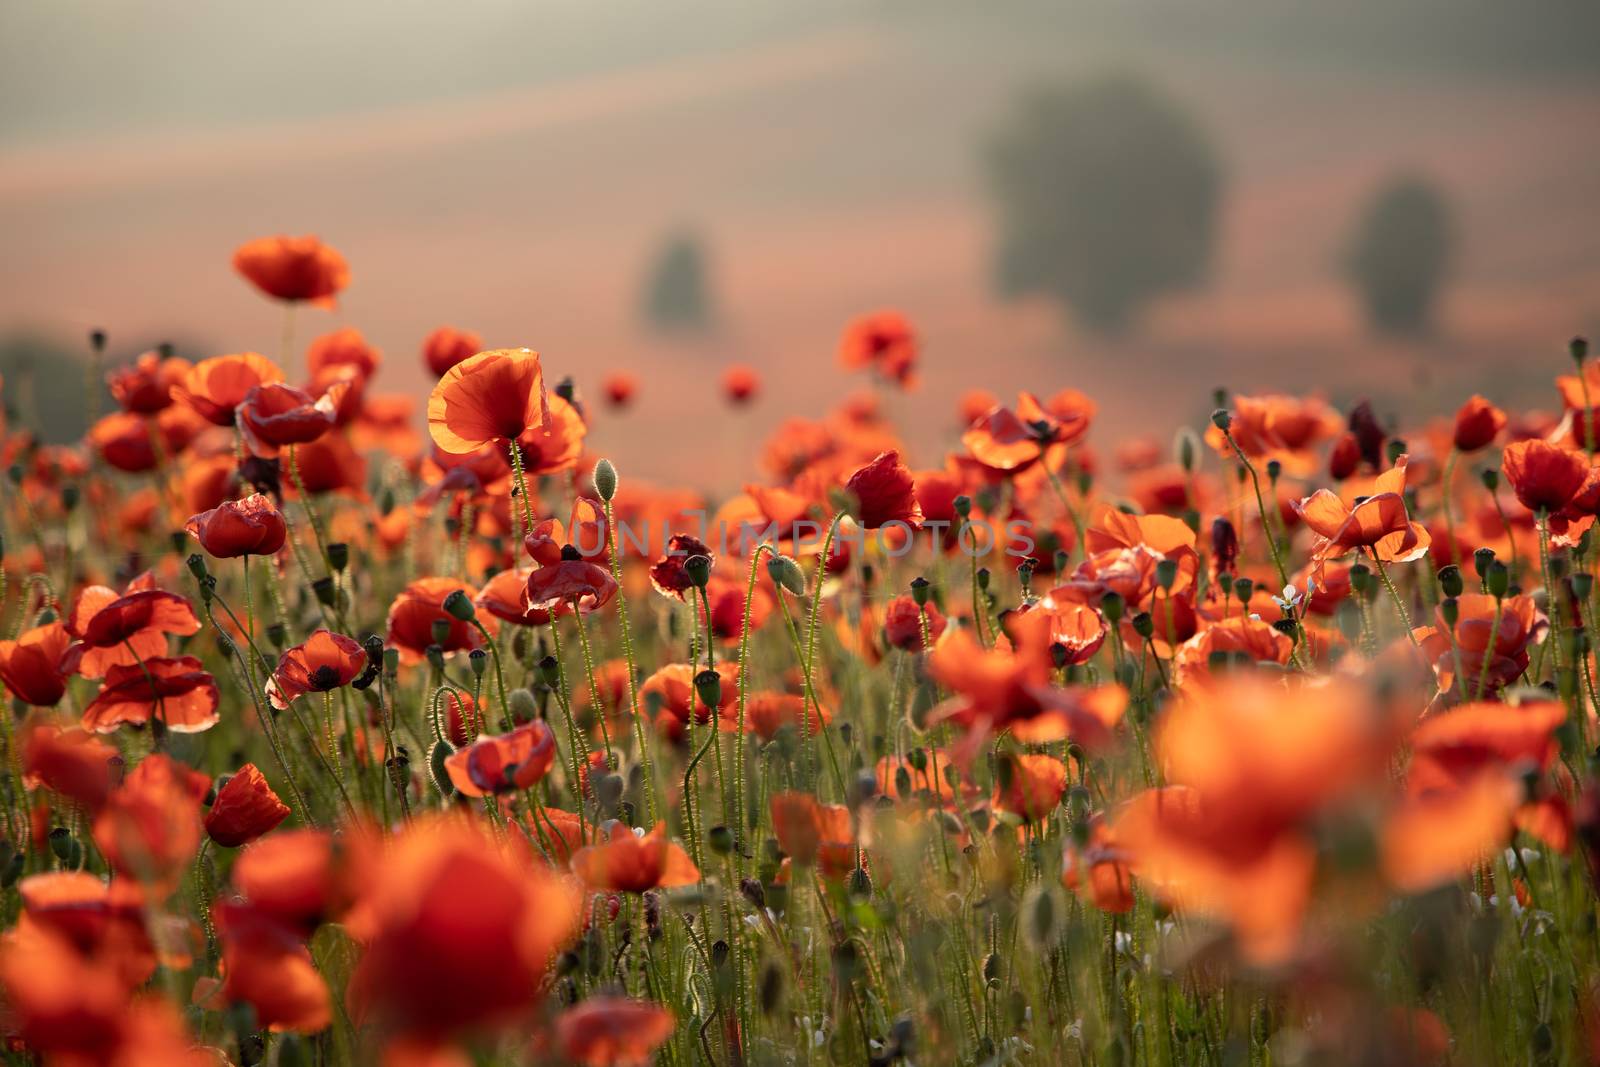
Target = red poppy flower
(668,575)
(493,396)
(330,464)
(216,387)
(902,624)
(293,268)
(291,876)
(1478,423)
(125,442)
(73,762)
(447,346)
(1030,786)
(266,966)
(556,444)
(619,388)
(324,662)
(179,693)
(274,415)
(343,348)
(1545,477)
(149,828)
(1378,522)
(459,930)
(1477,637)
(571,579)
(145,386)
(883,341)
(727,602)
(671,696)
(767,713)
(607,1031)
(34,666)
(248,527)
(504,763)
(885,492)
(1344,459)
(115,630)
(245,808)
(631,863)
(804,826)
(417,608)
(1007,440)
(504,597)
(740,384)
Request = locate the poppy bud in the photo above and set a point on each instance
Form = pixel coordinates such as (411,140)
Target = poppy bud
(97,340)
(698,569)
(720,838)
(373,646)
(459,605)
(391,661)
(61,843)
(523,705)
(962,505)
(197,565)
(326,592)
(1450,611)
(339,556)
(605,479)
(983,578)
(1450,580)
(1186,447)
(479,659)
(1166,573)
(1578,349)
(1274,470)
(550,672)
(1491,478)
(919,591)
(860,884)
(1060,560)
(435,656)
(1498,579)
(245,808)
(786,574)
(1221,419)
(708,684)
(1143,625)
(1112,606)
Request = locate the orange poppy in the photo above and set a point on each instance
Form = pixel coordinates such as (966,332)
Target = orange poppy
(1436,838)
(607,1031)
(632,863)
(145,386)
(1500,632)
(766,713)
(266,966)
(149,828)
(671,692)
(1377,522)
(34,667)
(293,268)
(413,613)
(668,575)
(619,388)
(556,444)
(493,396)
(1477,424)
(330,464)
(323,662)
(1109,881)
(903,622)
(249,527)
(447,346)
(884,342)
(1545,477)
(1450,749)
(344,347)
(100,920)
(885,492)
(292,876)
(459,929)
(503,596)
(1030,786)
(73,762)
(573,580)
(245,808)
(275,415)
(740,384)
(179,693)
(504,763)
(113,630)
(726,598)
(125,442)
(215,387)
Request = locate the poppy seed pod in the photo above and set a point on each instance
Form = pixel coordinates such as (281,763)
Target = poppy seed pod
(786,574)
(919,590)
(1480,562)
(1274,471)
(698,569)
(197,565)
(1166,573)
(1143,625)
(1578,349)
(1244,589)
(326,592)
(1450,611)
(1491,478)
(1498,579)
(720,838)
(479,660)
(708,684)
(339,556)
(1450,580)
(605,480)
(1221,419)
(439,631)
(1582,585)
(459,605)
(435,657)
(962,505)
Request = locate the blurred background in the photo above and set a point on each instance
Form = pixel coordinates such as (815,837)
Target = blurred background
(1143,199)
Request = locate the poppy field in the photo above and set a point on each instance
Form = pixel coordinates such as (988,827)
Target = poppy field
(352,727)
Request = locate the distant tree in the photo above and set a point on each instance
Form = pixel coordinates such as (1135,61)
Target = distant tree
(1400,253)
(1107,197)
(44,389)
(676,295)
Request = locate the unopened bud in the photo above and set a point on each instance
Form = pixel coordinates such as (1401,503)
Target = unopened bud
(605,479)
(786,574)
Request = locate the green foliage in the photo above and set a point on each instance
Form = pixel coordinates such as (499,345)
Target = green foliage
(1400,255)
(1107,195)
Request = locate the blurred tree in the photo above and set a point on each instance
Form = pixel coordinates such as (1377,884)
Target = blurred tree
(44,387)
(675,295)
(1107,195)
(1400,253)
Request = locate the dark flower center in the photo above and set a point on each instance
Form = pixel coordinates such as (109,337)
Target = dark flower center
(324,678)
